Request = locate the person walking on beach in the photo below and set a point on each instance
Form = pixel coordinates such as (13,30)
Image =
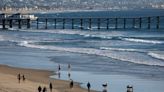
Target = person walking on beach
(59,68)
(39,89)
(88,86)
(23,77)
(44,89)
(69,67)
(50,86)
(71,84)
(19,78)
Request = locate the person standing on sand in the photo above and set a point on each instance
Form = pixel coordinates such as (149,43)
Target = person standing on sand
(71,84)
(88,86)
(44,89)
(19,78)
(50,86)
(59,68)
(39,89)
(69,67)
(23,77)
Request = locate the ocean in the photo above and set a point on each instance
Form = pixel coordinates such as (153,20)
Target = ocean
(119,57)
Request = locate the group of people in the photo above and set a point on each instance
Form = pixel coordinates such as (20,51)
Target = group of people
(44,89)
(69,70)
(19,77)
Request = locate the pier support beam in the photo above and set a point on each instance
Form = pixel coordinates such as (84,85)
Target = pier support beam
(54,23)
(81,23)
(116,23)
(63,23)
(149,21)
(90,23)
(107,24)
(3,23)
(37,22)
(72,23)
(19,23)
(133,23)
(98,23)
(124,23)
(140,22)
(28,23)
(46,23)
(158,21)
(10,23)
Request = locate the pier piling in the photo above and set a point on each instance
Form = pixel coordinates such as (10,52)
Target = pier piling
(116,23)
(54,23)
(19,23)
(158,21)
(3,23)
(124,23)
(46,23)
(28,23)
(140,22)
(90,23)
(107,24)
(63,23)
(72,23)
(149,21)
(81,23)
(37,24)
(10,23)
(98,23)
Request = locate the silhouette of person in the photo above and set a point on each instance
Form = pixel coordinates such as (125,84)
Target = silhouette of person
(50,86)
(23,78)
(88,86)
(69,75)
(39,89)
(69,67)
(71,84)
(44,89)
(59,68)
(19,78)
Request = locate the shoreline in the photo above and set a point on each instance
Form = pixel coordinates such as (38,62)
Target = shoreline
(34,78)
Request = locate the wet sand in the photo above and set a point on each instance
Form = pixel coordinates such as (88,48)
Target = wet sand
(34,78)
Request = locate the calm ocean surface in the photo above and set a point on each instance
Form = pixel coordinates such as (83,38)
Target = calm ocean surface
(119,57)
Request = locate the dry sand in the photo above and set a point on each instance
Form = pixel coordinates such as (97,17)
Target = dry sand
(34,78)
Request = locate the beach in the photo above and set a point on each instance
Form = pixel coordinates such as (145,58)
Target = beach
(34,78)
(118,57)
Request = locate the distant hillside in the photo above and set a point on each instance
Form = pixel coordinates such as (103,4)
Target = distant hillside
(83,4)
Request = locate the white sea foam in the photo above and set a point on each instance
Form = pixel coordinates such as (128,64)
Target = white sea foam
(122,49)
(143,41)
(123,56)
(157,55)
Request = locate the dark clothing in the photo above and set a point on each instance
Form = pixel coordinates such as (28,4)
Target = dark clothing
(59,68)
(23,78)
(89,86)
(50,86)
(71,84)
(44,89)
(19,77)
(39,89)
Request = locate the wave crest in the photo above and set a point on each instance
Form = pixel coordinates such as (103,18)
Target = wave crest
(123,56)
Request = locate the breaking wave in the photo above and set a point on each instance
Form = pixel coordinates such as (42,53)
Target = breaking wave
(123,56)
(143,41)
(156,55)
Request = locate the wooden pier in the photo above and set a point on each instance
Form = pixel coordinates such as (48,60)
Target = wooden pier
(154,22)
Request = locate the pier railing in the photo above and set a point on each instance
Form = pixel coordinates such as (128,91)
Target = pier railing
(153,22)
